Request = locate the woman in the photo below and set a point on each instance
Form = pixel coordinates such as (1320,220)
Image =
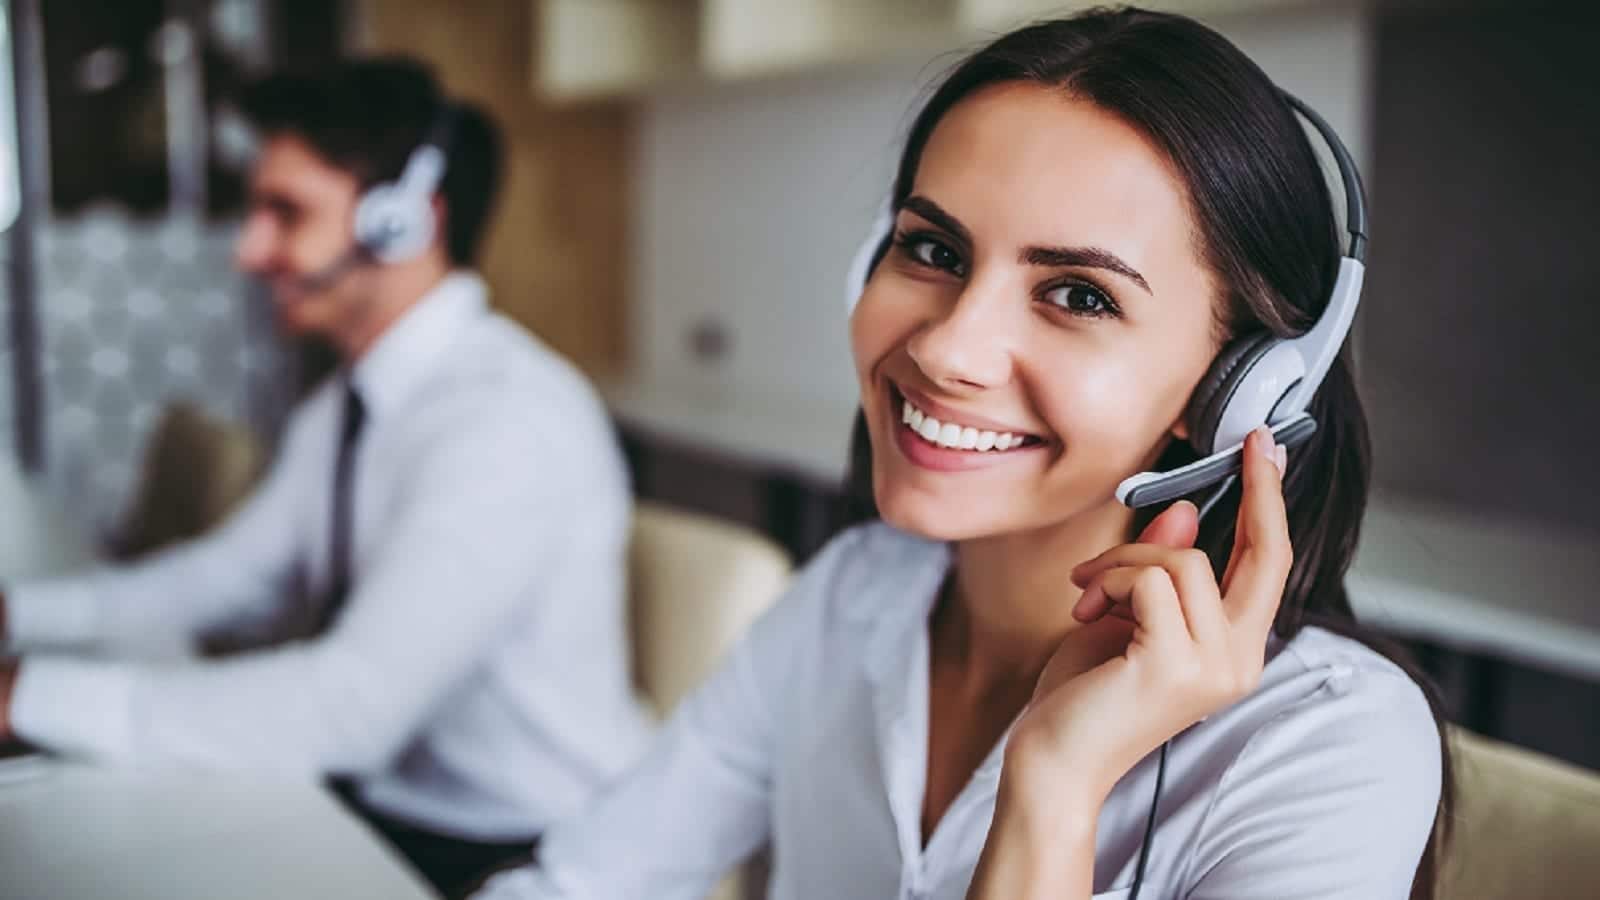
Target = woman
(964,699)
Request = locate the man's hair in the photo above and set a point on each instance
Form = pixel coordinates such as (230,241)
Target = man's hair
(366,117)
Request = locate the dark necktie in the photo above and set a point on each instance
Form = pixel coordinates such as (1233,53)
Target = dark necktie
(343,525)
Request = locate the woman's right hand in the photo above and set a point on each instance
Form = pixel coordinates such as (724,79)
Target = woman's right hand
(1196,646)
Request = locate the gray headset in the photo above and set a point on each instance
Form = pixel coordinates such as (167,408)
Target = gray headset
(1260,379)
(394,220)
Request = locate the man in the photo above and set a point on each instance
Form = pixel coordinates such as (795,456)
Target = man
(433,570)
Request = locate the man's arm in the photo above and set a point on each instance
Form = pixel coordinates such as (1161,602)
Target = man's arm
(157,606)
(458,555)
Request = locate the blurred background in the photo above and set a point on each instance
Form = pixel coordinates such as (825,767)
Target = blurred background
(688,180)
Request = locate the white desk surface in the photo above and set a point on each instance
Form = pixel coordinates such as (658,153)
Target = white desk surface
(73,833)
(1514,591)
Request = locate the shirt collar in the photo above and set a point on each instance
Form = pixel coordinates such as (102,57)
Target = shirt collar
(907,575)
(907,583)
(403,355)
(907,580)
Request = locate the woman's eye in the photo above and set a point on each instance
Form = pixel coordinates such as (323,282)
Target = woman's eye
(1081,300)
(933,254)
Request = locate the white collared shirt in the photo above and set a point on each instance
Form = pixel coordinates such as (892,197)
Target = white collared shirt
(477,679)
(813,735)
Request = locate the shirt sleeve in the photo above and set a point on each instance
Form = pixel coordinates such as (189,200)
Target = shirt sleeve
(158,606)
(1333,799)
(456,560)
(699,803)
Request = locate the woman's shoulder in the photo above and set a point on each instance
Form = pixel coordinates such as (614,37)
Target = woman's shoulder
(1340,675)
(1316,649)
(1333,700)
(1319,674)
(1330,771)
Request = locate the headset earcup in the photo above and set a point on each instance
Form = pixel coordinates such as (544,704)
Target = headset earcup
(1211,396)
(868,255)
(393,225)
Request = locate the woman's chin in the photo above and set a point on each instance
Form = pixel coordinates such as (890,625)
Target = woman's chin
(966,515)
(933,518)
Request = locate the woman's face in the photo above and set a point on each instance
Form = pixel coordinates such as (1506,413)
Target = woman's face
(1045,302)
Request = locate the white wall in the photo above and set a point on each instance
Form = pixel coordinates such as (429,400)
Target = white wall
(753,197)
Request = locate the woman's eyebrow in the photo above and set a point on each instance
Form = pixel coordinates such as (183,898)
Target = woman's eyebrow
(1083,257)
(1056,257)
(934,213)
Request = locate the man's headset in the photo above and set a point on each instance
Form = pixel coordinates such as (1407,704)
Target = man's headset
(1256,380)
(394,220)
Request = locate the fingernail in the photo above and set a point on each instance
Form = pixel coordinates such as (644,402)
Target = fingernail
(1280,458)
(1188,503)
(1264,440)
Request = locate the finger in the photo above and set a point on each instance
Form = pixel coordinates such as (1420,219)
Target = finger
(1092,604)
(1114,589)
(1186,563)
(1262,555)
(1176,526)
(1191,574)
(1152,596)
(1279,456)
(1113,609)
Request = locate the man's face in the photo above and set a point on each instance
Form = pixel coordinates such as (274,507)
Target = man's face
(299,223)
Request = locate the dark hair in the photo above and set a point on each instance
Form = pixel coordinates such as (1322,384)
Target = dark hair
(366,116)
(1266,227)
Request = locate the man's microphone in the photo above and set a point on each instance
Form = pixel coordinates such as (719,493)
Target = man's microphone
(329,275)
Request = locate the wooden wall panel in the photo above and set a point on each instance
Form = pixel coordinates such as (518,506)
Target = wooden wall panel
(557,254)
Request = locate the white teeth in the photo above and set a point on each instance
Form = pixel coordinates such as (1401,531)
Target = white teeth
(953,436)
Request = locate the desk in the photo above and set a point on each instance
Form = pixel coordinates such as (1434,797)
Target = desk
(1516,591)
(76,833)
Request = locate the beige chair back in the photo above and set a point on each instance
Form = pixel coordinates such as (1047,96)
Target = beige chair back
(696,585)
(195,470)
(1527,827)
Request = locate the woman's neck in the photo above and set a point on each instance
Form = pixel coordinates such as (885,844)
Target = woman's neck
(1010,604)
